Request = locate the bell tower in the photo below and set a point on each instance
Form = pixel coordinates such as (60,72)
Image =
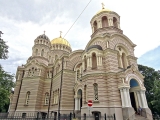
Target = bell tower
(105,21)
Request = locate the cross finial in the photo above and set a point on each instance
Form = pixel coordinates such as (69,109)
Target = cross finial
(44,32)
(60,33)
(103,6)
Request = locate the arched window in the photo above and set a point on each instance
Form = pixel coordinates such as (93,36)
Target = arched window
(104,22)
(95,91)
(27,98)
(36,51)
(46,101)
(49,59)
(56,56)
(85,93)
(85,63)
(78,74)
(115,22)
(95,25)
(94,61)
(42,52)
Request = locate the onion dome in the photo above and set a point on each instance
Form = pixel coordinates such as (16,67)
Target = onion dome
(103,10)
(43,36)
(60,40)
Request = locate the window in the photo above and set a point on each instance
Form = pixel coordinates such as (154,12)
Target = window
(94,61)
(95,25)
(115,22)
(36,51)
(78,74)
(23,115)
(46,99)
(95,91)
(55,97)
(104,22)
(42,52)
(85,93)
(27,98)
(85,63)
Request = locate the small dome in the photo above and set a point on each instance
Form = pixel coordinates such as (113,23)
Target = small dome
(60,40)
(94,46)
(43,36)
(103,10)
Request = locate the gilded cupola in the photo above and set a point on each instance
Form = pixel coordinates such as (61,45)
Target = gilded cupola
(60,44)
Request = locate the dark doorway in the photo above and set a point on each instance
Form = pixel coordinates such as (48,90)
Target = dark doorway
(133,102)
(96,116)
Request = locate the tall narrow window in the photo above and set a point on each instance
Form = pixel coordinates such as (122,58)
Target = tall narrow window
(115,22)
(95,91)
(23,115)
(95,26)
(53,97)
(27,98)
(42,52)
(104,21)
(94,61)
(85,63)
(36,51)
(85,93)
(56,56)
(78,74)
(46,99)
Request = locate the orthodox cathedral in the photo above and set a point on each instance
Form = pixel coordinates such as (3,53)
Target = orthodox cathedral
(56,80)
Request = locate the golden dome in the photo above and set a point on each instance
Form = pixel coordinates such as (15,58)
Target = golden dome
(103,10)
(60,40)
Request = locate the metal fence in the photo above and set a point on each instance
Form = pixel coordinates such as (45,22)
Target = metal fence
(52,116)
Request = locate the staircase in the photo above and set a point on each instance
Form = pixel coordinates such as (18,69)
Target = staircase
(138,117)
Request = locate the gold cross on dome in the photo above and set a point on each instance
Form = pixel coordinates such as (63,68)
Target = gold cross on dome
(103,6)
(60,33)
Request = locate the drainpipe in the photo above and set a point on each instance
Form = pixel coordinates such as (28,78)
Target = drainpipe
(19,90)
(50,92)
(60,90)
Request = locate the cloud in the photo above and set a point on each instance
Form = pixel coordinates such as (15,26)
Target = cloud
(22,21)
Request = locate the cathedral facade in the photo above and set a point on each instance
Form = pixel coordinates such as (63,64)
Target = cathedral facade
(57,80)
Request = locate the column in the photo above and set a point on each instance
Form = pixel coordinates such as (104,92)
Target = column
(97,57)
(107,44)
(142,99)
(76,103)
(101,60)
(90,58)
(120,61)
(122,97)
(139,99)
(88,62)
(145,100)
(128,96)
(83,65)
(125,97)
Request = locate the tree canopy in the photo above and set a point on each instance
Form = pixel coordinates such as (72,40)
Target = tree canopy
(152,84)
(6,80)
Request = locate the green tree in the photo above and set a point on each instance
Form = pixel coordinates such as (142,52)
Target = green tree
(151,84)
(3,48)
(6,80)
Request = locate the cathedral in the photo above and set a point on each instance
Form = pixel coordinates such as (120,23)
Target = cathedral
(56,80)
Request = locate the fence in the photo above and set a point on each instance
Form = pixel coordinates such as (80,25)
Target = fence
(52,116)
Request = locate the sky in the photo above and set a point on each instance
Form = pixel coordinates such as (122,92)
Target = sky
(22,21)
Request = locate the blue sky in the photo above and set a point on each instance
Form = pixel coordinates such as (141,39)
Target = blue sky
(151,58)
(23,20)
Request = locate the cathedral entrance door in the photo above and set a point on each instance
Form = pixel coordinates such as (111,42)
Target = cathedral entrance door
(133,102)
(96,116)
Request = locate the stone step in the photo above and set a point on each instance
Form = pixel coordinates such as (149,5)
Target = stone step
(138,117)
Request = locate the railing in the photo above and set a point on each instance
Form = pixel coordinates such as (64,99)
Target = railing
(52,116)
(132,116)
